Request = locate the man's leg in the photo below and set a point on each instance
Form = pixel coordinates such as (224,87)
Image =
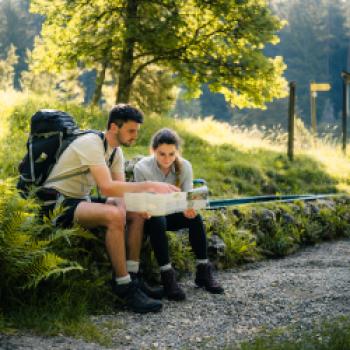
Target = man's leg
(135,224)
(134,236)
(113,217)
(91,215)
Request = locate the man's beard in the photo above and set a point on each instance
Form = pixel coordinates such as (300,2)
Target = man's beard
(128,144)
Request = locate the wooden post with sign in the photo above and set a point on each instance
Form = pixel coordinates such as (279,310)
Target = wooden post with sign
(346,81)
(291,113)
(314,88)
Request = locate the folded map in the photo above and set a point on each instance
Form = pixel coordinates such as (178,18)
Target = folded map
(160,204)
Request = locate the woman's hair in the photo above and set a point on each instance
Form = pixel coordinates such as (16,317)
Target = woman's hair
(169,137)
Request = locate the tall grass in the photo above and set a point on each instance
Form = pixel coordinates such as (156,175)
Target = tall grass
(252,139)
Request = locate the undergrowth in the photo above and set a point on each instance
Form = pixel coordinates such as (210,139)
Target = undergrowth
(53,279)
(329,335)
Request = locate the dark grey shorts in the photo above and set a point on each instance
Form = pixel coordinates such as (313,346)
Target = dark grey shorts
(68,204)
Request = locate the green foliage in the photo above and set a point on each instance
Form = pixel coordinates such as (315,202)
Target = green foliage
(180,251)
(314,45)
(63,86)
(240,243)
(7,69)
(17,28)
(228,170)
(329,335)
(26,255)
(220,44)
(72,280)
(48,276)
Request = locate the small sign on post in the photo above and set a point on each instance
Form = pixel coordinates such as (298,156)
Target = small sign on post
(346,81)
(314,88)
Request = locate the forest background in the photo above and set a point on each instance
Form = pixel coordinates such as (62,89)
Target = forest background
(314,44)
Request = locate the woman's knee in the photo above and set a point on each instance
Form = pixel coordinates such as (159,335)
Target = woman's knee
(197,220)
(155,224)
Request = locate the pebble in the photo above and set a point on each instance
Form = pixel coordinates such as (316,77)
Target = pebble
(295,292)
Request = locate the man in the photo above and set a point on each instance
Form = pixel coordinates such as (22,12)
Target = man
(82,166)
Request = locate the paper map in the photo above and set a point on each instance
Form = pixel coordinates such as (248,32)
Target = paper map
(160,204)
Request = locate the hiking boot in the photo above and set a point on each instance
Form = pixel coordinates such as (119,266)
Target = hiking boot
(171,288)
(134,299)
(152,292)
(205,279)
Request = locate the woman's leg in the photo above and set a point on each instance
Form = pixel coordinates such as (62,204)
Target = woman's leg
(198,240)
(155,228)
(197,235)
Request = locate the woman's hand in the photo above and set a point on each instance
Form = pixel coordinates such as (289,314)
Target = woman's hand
(190,213)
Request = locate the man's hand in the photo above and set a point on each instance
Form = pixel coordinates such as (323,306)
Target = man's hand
(161,187)
(190,213)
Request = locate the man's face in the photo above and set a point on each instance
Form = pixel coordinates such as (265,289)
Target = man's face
(127,134)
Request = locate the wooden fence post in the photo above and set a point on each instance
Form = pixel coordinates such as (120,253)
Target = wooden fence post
(291,113)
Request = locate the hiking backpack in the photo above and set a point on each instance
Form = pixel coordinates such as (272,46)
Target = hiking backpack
(51,132)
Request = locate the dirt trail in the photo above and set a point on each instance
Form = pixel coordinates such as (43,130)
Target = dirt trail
(297,291)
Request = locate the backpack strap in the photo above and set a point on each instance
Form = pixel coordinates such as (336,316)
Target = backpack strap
(111,157)
(105,145)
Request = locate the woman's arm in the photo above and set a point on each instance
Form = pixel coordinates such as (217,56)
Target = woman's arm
(187,176)
(138,174)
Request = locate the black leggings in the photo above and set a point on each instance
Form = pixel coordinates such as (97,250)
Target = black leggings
(157,226)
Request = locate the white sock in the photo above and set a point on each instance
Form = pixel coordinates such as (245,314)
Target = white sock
(165,267)
(132,266)
(123,280)
(202,261)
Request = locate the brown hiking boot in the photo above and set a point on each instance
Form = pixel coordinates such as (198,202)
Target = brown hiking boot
(171,288)
(205,279)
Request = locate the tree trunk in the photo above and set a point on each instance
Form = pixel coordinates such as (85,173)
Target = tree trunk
(100,78)
(127,59)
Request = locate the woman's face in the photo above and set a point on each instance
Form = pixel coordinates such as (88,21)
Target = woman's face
(165,155)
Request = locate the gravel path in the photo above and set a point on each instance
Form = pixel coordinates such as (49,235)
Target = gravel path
(307,287)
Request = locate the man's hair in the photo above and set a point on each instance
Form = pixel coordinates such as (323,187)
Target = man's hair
(122,113)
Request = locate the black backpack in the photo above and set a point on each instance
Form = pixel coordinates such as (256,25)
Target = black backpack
(51,132)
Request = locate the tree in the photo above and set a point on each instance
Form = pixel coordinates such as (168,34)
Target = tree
(7,70)
(18,28)
(314,46)
(219,43)
(63,86)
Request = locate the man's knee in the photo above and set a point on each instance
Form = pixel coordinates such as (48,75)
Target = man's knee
(115,216)
(135,218)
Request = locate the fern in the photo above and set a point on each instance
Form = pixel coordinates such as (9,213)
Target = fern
(31,250)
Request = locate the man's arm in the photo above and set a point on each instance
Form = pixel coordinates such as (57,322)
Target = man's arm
(118,176)
(117,188)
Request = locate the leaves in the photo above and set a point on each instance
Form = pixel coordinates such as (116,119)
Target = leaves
(219,43)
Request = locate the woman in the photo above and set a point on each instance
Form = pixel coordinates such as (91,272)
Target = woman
(166,165)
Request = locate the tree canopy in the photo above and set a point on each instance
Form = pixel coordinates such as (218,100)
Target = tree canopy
(219,43)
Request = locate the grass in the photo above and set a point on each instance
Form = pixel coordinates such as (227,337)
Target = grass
(235,161)
(329,335)
(254,141)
